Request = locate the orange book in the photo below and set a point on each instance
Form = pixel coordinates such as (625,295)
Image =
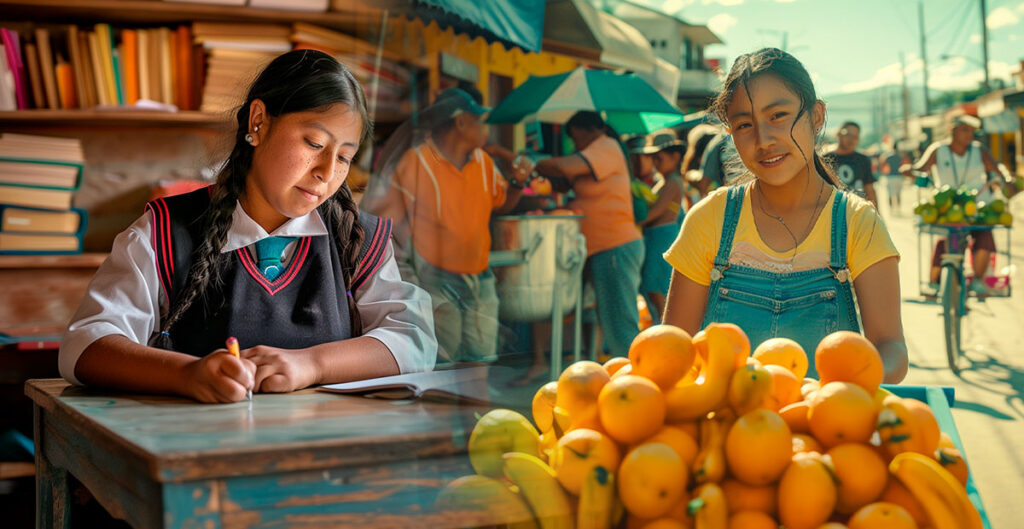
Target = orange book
(130,65)
(46,67)
(183,69)
(65,80)
(88,82)
(34,75)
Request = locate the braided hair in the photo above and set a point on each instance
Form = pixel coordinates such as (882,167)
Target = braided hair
(297,81)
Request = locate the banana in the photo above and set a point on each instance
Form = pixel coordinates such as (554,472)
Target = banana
(689,401)
(709,465)
(708,507)
(493,500)
(538,483)
(596,500)
(943,499)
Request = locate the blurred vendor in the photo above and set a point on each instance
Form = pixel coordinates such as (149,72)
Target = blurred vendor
(599,176)
(664,217)
(441,194)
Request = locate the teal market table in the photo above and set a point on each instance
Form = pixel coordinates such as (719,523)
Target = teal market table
(305,459)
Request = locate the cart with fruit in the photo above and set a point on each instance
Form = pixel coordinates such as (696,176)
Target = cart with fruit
(954,214)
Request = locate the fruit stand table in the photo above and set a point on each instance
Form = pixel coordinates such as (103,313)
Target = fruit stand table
(305,459)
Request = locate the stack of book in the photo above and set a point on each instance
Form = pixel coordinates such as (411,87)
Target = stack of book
(38,178)
(235,53)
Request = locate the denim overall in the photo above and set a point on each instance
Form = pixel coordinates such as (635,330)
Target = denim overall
(804,306)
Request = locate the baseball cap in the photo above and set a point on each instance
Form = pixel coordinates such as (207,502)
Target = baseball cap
(660,142)
(967,119)
(460,101)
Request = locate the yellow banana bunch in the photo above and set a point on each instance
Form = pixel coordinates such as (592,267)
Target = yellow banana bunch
(597,500)
(708,507)
(490,497)
(539,485)
(690,401)
(943,499)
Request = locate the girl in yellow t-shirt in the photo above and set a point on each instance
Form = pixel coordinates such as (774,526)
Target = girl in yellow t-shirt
(782,252)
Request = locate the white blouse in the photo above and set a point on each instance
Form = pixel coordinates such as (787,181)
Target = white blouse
(125,295)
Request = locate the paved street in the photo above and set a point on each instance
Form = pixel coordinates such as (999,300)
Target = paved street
(989,409)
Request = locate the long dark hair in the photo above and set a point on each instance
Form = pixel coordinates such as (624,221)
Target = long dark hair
(792,74)
(297,81)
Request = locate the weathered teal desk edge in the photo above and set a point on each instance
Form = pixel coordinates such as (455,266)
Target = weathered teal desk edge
(295,460)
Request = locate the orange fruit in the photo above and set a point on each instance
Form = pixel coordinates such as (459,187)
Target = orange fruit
(632,408)
(832,525)
(805,443)
(737,338)
(578,452)
(749,387)
(543,404)
(882,515)
(752,520)
(666,523)
(662,353)
(785,388)
(927,426)
(862,475)
(842,412)
(742,497)
(615,363)
(795,416)
(652,479)
(895,492)
(689,427)
(681,512)
(623,371)
(758,447)
(783,352)
(578,388)
(952,460)
(683,443)
(807,493)
(849,357)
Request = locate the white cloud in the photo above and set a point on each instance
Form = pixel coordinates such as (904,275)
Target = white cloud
(975,38)
(1013,38)
(672,6)
(960,74)
(1003,16)
(721,23)
(887,75)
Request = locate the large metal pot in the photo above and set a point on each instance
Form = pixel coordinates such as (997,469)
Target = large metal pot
(537,262)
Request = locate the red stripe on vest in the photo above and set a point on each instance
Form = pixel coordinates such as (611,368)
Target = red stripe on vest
(155,228)
(293,268)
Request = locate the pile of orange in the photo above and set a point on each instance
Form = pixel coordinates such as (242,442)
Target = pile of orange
(703,432)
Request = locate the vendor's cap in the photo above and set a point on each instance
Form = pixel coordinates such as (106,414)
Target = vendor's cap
(460,101)
(967,119)
(661,142)
(636,144)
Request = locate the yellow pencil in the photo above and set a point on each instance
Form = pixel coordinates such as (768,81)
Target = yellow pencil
(232,345)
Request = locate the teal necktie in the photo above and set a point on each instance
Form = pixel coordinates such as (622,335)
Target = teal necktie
(268,254)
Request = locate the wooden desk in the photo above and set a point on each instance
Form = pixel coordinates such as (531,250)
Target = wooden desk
(306,459)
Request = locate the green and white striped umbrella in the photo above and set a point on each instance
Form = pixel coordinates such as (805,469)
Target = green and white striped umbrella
(628,103)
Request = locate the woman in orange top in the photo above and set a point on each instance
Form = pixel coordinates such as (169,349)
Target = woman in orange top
(599,175)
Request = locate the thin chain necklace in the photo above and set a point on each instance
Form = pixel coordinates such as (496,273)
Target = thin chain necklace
(782,221)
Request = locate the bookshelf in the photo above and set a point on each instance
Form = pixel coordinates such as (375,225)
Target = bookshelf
(120,118)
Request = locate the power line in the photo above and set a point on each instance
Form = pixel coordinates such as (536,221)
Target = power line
(966,12)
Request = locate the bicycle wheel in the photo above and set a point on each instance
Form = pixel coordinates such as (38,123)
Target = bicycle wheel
(952,314)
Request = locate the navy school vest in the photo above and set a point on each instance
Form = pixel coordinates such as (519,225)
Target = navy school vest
(305,306)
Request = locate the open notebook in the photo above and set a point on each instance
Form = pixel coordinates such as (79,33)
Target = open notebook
(467,385)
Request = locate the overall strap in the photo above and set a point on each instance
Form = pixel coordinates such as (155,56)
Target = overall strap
(733,205)
(837,259)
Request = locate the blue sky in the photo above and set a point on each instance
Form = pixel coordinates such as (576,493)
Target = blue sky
(855,45)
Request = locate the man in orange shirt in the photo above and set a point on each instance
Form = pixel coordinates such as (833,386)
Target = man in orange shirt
(442,195)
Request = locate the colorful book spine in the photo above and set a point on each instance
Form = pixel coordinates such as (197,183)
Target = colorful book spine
(130,65)
(12,46)
(46,68)
(35,76)
(65,84)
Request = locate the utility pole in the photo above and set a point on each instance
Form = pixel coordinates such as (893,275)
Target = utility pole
(906,99)
(924,54)
(984,44)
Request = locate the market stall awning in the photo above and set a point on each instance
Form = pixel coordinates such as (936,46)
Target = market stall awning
(516,22)
(699,34)
(576,28)
(1005,121)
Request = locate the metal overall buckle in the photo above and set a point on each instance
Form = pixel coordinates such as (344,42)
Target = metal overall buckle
(842,275)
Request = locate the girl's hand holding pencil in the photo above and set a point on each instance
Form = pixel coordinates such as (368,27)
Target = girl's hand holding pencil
(232,344)
(220,377)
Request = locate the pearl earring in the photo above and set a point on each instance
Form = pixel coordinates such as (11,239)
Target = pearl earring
(249,138)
